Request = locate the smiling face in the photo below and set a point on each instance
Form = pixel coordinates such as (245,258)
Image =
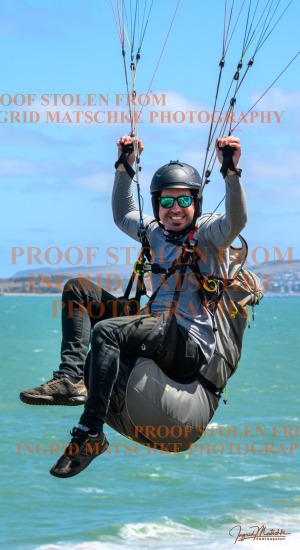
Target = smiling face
(176,218)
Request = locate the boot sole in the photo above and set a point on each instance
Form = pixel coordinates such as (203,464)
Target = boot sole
(62,475)
(47,400)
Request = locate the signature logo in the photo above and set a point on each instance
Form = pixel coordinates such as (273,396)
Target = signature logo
(257,533)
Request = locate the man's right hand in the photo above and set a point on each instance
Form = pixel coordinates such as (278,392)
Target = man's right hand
(128,140)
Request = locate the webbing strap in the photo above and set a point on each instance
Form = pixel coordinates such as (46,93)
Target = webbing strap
(209,290)
(227,153)
(229,365)
(176,294)
(209,386)
(123,160)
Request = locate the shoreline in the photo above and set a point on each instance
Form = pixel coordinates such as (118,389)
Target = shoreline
(41,294)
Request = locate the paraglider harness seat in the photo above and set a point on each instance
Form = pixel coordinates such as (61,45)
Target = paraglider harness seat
(163,334)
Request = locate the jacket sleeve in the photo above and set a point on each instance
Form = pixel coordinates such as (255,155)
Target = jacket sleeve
(223,229)
(125,212)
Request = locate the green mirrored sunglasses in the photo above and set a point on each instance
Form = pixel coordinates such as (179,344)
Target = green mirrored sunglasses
(168,202)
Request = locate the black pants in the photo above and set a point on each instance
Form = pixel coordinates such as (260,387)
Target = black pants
(84,308)
(83,305)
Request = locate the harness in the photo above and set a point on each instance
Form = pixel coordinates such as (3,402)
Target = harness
(209,290)
(210,287)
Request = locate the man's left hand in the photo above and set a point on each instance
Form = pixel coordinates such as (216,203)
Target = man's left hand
(231,141)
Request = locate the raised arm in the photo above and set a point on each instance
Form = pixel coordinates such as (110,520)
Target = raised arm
(225,228)
(125,211)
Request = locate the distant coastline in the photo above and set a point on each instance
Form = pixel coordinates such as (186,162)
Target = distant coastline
(279,279)
(58,295)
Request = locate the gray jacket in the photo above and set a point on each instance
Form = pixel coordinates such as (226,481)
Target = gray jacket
(213,237)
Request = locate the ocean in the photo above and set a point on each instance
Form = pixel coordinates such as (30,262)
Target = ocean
(242,477)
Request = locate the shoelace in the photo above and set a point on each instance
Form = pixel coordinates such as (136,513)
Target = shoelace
(57,375)
(79,437)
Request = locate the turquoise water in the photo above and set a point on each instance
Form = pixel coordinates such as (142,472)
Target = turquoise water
(245,471)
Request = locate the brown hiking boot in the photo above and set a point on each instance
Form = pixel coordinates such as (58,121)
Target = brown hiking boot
(80,452)
(58,391)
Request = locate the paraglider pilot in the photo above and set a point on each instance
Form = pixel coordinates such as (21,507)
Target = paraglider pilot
(176,190)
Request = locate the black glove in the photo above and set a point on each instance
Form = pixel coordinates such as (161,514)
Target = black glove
(227,153)
(126,151)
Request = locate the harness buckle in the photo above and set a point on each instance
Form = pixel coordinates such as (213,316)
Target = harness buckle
(210,285)
(141,268)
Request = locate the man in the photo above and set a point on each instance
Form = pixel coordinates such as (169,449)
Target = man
(177,200)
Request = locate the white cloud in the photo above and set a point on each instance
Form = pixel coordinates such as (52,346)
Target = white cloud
(277,97)
(286,104)
(177,111)
(280,164)
(98,181)
(13,166)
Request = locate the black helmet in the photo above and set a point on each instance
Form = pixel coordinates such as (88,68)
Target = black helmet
(176,175)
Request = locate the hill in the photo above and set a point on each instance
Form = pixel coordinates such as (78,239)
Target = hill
(278,278)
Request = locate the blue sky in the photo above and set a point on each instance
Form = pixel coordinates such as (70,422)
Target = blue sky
(56,177)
